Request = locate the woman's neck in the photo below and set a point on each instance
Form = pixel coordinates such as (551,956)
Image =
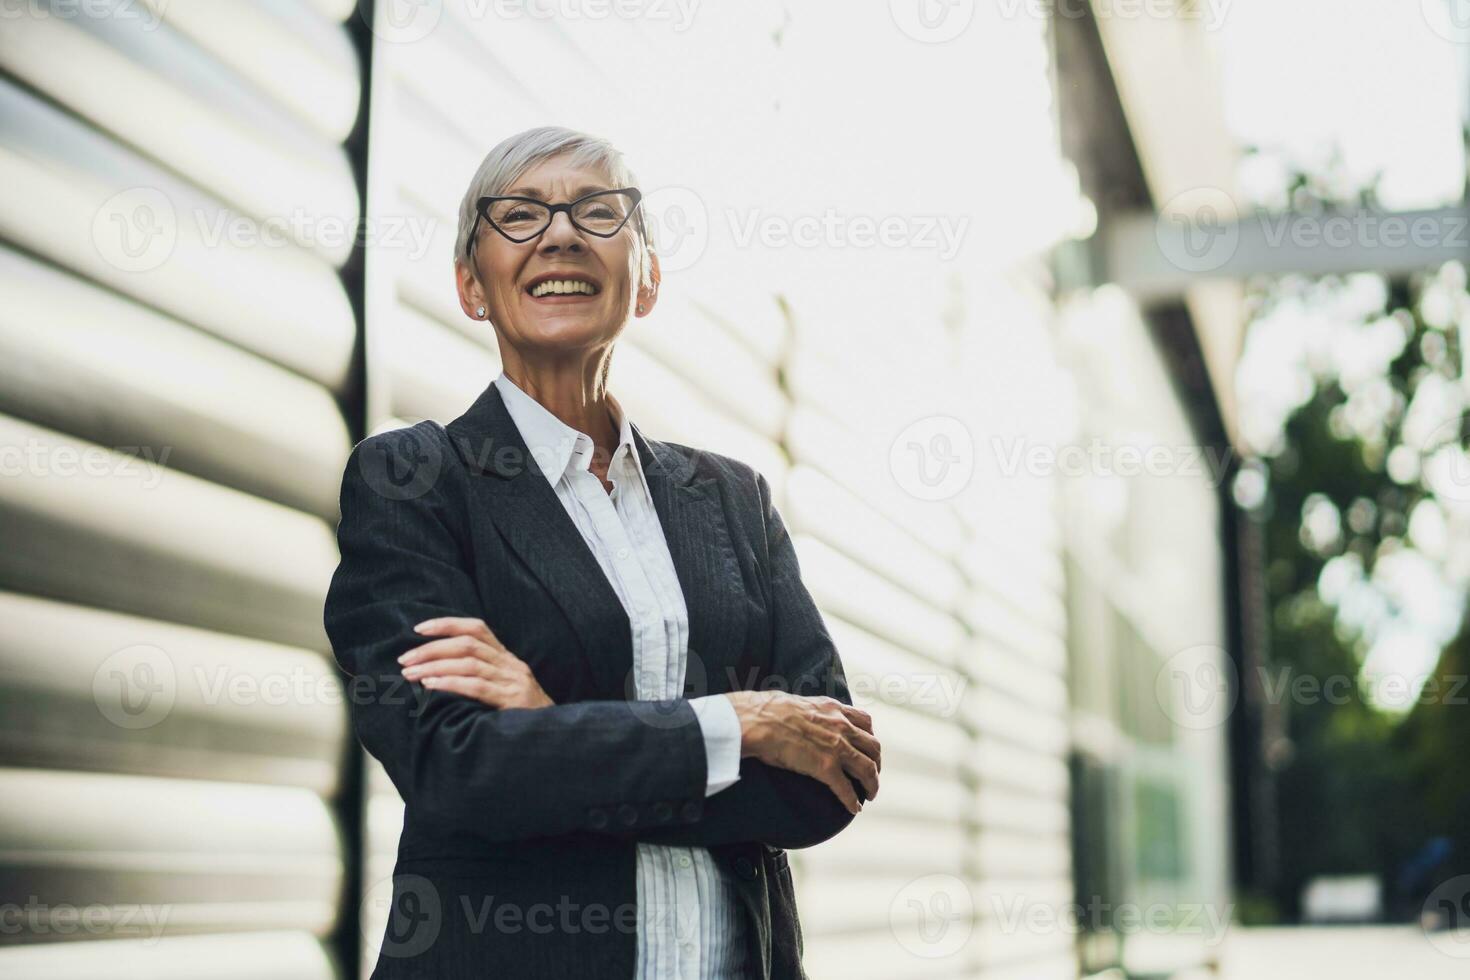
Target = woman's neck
(575,396)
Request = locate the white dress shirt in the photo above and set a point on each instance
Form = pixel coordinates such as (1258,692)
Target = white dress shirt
(689,922)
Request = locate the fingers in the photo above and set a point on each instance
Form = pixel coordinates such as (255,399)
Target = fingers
(858,730)
(868,745)
(858,751)
(490,684)
(457,666)
(857,716)
(836,780)
(475,688)
(460,645)
(459,626)
(861,767)
(829,740)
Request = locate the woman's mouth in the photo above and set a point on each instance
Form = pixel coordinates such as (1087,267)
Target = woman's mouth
(569,290)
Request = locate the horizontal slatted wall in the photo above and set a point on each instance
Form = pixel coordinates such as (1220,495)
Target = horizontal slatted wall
(948,611)
(884,568)
(1014,605)
(174,336)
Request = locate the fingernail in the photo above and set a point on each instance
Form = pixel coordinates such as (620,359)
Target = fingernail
(403,658)
(419,628)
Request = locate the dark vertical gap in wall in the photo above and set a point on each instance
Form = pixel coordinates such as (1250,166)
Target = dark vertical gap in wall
(1241,742)
(1173,334)
(351,809)
(1257,724)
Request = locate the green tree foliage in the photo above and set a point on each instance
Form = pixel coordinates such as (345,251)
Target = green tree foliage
(1362,790)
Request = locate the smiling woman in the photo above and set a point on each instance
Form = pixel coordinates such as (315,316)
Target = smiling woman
(625,699)
(534,242)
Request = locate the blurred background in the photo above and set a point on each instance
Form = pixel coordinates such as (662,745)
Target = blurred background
(1109,359)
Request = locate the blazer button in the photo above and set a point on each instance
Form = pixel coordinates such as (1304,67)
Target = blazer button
(627,815)
(597,818)
(689,811)
(744,868)
(663,812)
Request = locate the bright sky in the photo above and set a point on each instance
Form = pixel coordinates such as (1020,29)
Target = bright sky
(1385,82)
(1378,79)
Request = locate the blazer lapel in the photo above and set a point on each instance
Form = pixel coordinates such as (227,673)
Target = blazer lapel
(694,525)
(525,509)
(531,519)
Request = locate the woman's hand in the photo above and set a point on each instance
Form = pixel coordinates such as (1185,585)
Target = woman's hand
(468,659)
(818,736)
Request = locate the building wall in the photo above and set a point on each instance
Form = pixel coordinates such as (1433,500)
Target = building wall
(171,726)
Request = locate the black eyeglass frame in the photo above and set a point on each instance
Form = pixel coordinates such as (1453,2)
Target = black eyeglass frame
(482,207)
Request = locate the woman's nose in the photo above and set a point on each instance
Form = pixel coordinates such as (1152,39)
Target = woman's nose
(561,233)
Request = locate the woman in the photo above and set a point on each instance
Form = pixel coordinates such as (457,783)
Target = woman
(585,657)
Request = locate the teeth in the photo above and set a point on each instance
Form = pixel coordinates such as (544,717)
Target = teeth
(558,287)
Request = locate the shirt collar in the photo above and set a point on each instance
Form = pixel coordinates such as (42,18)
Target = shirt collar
(556,446)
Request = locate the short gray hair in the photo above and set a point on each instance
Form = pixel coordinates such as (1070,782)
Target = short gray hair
(514,155)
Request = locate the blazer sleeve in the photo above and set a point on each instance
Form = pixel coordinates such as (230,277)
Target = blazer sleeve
(769,804)
(506,774)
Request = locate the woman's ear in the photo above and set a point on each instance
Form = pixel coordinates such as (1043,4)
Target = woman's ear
(648,295)
(472,297)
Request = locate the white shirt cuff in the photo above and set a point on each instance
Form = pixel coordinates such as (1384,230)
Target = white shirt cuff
(720,727)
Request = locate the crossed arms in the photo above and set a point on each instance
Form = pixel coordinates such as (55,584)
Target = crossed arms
(509,766)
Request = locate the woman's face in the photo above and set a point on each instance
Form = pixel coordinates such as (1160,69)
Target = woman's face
(509,271)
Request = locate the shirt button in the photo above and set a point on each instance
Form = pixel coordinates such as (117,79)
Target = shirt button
(684,861)
(622,552)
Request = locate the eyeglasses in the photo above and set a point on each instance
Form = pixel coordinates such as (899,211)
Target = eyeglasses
(521,219)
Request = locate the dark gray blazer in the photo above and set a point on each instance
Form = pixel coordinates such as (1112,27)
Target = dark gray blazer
(517,852)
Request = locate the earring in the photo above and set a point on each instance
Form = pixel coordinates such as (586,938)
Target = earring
(480,312)
(640,307)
